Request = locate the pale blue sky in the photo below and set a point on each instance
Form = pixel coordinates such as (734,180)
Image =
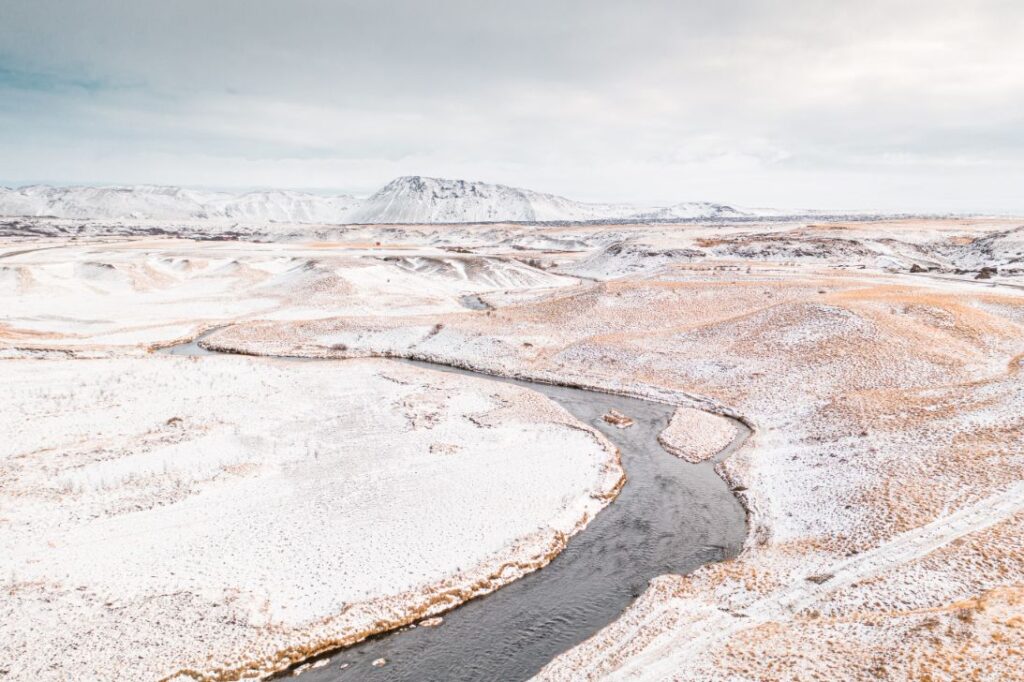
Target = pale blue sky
(868,104)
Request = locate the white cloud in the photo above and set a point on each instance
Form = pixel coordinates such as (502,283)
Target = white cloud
(799,103)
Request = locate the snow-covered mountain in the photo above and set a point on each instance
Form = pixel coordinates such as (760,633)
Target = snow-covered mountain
(171,203)
(415,199)
(410,199)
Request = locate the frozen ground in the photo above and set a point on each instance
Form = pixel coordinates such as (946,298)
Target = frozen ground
(879,362)
(166,517)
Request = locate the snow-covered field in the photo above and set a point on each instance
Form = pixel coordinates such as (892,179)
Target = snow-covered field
(167,517)
(879,363)
(131,294)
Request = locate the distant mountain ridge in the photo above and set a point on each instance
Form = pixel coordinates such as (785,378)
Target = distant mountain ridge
(408,199)
(171,203)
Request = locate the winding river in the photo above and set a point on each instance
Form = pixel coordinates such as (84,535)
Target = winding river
(671,517)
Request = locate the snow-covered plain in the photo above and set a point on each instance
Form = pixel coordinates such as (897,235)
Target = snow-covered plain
(172,517)
(879,363)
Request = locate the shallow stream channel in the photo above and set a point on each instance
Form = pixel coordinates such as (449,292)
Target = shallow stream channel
(670,517)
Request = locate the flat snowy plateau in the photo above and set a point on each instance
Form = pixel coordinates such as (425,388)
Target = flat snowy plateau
(223,515)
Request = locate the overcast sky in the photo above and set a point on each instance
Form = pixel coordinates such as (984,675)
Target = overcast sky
(817,103)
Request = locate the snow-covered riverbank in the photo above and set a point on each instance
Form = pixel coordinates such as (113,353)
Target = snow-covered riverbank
(167,516)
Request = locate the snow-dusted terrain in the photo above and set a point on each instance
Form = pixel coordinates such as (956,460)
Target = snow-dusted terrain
(173,518)
(879,363)
(696,436)
(410,199)
(883,479)
(94,298)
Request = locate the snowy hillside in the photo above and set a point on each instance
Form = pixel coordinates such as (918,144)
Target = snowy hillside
(171,203)
(410,199)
